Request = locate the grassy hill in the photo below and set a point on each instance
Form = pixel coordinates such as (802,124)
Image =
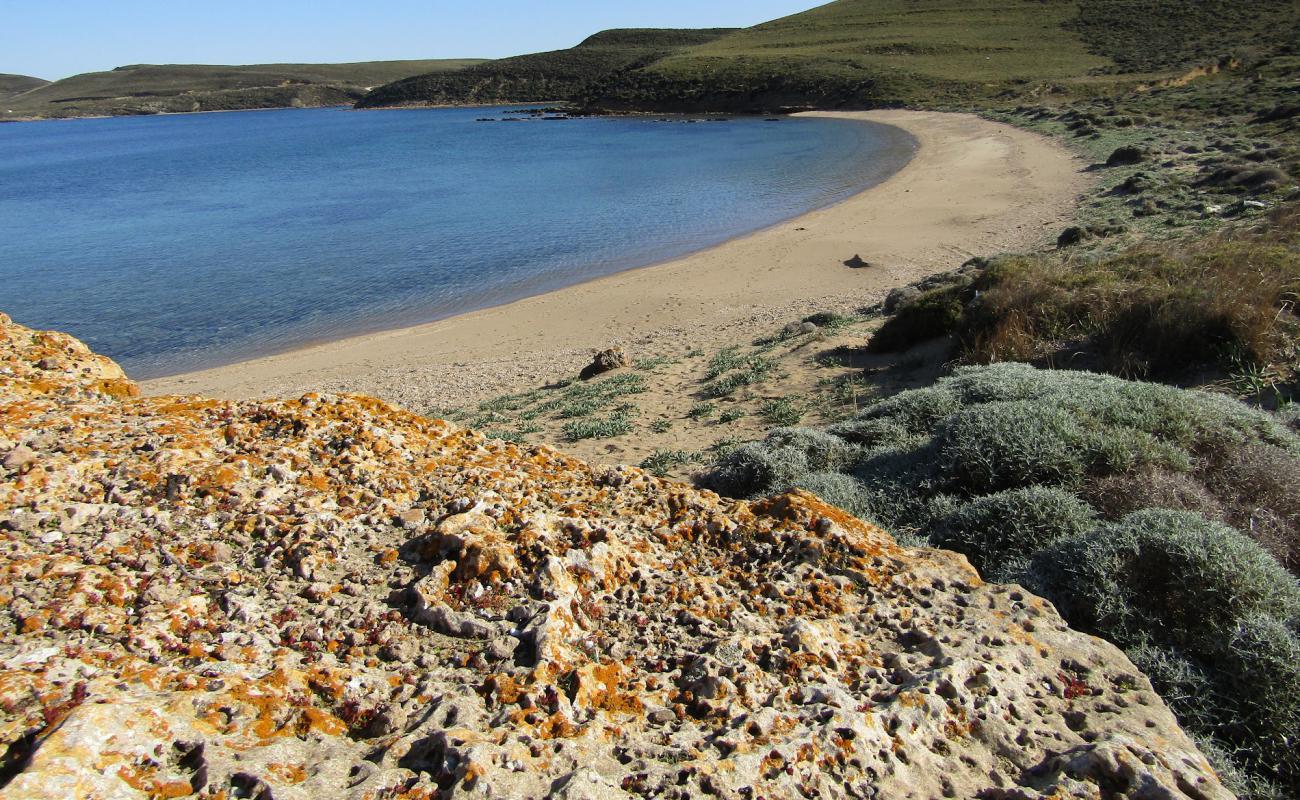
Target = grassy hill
(11,85)
(859,53)
(150,88)
(552,76)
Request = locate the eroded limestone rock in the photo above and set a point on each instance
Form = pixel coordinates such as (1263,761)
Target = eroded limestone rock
(329,597)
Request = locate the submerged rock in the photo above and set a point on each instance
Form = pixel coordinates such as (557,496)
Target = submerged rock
(280,624)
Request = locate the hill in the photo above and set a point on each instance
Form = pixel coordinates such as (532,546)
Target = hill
(11,85)
(557,75)
(151,88)
(867,53)
(330,597)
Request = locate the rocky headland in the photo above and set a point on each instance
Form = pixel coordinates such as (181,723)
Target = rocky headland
(330,597)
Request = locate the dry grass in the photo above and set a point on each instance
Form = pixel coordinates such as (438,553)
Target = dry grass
(1155,310)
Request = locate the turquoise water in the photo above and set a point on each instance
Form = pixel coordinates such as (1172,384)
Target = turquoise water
(180,242)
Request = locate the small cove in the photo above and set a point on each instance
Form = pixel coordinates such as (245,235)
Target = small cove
(177,243)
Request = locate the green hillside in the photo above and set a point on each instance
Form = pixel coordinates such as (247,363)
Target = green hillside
(552,76)
(11,85)
(857,53)
(150,88)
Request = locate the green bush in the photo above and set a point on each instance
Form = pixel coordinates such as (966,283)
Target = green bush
(931,314)
(917,411)
(1263,658)
(822,451)
(1197,578)
(1000,532)
(871,432)
(839,490)
(779,462)
(1206,612)
(754,469)
(781,411)
(1004,445)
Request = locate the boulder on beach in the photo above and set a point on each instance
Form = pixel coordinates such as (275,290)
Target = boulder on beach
(606,361)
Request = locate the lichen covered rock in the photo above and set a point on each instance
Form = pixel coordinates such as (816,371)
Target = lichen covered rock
(331,597)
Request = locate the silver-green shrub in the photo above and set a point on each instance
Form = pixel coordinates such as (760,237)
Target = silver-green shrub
(1000,531)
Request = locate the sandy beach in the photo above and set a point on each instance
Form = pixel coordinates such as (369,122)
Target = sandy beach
(975,187)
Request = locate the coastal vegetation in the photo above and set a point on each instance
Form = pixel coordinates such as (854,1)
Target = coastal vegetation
(1157,517)
(1109,420)
(11,85)
(1004,409)
(557,75)
(176,88)
(869,53)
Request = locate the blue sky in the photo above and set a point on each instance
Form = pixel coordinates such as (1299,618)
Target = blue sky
(57,38)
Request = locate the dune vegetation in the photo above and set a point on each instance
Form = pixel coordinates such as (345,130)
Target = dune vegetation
(1163,519)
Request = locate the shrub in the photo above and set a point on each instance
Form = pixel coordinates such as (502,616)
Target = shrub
(870,432)
(1004,445)
(731,415)
(929,315)
(753,469)
(1155,309)
(1202,609)
(786,457)
(1263,658)
(917,411)
(745,372)
(830,321)
(701,411)
(1258,485)
(661,462)
(1116,496)
(822,450)
(1000,532)
(839,490)
(1167,577)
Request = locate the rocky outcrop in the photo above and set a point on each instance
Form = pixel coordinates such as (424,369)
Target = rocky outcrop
(329,597)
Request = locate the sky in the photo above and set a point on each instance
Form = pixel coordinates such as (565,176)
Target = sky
(53,39)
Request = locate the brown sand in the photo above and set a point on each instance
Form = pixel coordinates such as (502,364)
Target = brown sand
(975,187)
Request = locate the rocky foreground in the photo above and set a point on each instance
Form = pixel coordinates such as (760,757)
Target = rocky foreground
(330,597)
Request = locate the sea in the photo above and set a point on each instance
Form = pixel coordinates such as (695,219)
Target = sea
(175,243)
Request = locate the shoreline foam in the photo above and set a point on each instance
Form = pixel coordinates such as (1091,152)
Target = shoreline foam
(974,187)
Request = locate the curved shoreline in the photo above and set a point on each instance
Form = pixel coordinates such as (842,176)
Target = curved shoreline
(974,187)
(883,151)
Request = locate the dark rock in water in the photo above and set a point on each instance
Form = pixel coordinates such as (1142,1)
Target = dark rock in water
(485,119)
(1126,156)
(606,361)
(856,262)
(1071,236)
